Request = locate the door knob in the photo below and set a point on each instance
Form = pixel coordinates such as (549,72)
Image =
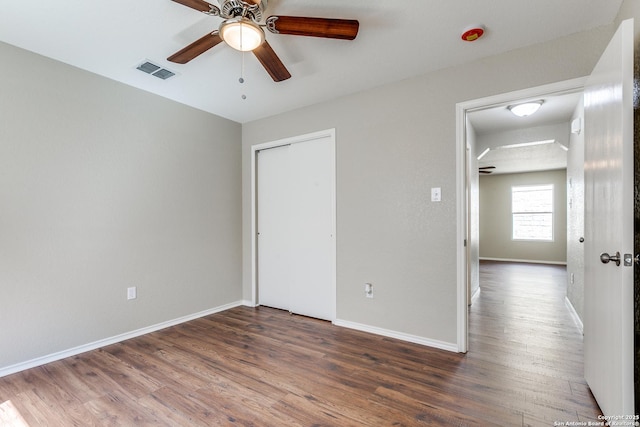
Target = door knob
(581,240)
(605,258)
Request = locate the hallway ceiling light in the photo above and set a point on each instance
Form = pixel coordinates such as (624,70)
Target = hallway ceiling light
(526,109)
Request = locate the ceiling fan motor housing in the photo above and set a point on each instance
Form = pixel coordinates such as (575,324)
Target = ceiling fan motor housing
(237,8)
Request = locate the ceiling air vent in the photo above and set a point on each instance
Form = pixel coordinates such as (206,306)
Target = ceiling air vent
(155,70)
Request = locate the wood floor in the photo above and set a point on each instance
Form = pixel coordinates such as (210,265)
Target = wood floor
(263,367)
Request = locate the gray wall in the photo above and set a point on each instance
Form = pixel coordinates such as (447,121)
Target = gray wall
(393,144)
(103,187)
(495,218)
(630,9)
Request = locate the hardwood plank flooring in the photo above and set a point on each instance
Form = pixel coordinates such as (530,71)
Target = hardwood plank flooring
(264,367)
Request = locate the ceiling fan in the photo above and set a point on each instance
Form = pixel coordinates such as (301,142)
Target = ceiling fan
(242,30)
(486,169)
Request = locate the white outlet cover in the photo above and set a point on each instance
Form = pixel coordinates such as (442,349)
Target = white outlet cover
(131,293)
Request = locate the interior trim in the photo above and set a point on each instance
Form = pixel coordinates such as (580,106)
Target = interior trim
(442,345)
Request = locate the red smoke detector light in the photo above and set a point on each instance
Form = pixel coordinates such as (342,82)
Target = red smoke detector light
(472,34)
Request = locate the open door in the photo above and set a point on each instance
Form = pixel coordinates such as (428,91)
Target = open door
(609,195)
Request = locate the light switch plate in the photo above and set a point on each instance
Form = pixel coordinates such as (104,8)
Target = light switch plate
(436,194)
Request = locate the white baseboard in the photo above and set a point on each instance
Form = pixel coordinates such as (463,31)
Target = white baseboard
(529,261)
(398,335)
(8,370)
(574,315)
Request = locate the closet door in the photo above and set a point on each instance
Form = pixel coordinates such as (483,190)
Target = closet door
(312,293)
(296,254)
(274,247)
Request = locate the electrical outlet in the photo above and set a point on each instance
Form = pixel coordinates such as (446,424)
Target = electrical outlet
(132,293)
(368,290)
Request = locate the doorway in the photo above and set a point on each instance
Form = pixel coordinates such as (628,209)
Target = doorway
(294,226)
(608,185)
(467,182)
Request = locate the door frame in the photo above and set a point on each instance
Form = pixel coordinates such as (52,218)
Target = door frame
(462,207)
(328,133)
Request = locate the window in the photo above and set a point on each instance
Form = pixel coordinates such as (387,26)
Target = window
(532,212)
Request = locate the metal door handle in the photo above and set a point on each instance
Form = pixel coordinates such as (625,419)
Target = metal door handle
(605,258)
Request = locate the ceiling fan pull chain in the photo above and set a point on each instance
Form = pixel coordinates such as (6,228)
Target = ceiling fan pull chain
(241,79)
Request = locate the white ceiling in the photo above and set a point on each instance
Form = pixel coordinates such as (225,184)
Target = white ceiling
(555,109)
(397,40)
(525,159)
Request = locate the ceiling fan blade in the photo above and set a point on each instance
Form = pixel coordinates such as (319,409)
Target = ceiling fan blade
(485,172)
(196,48)
(487,167)
(346,29)
(270,61)
(199,5)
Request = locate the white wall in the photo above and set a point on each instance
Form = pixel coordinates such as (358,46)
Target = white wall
(495,218)
(103,187)
(575,217)
(393,144)
(473,188)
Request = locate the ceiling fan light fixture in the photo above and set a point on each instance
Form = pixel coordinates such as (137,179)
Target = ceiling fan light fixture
(526,109)
(241,34)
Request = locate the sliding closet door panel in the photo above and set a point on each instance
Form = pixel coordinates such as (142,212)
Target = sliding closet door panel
(312,186)
(274,231)
(296,215)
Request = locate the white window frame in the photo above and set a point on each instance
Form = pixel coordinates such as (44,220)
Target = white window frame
(551,212)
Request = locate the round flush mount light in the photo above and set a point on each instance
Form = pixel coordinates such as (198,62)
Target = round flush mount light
(472,33)
(526,109)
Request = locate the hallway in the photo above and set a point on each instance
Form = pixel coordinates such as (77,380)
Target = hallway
(521,328)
